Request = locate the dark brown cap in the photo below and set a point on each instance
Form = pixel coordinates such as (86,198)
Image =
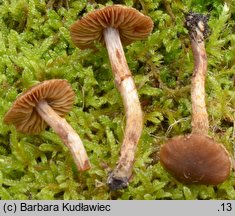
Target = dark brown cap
(57,92)
(131,24)
(196,159)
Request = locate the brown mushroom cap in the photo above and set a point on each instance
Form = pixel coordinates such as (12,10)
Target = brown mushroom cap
(131,24)
(196,159)
(57,92)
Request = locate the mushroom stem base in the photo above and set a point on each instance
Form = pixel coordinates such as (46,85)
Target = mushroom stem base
(66,133)
(120,176)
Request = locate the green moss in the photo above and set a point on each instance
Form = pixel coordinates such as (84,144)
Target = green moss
(35,45)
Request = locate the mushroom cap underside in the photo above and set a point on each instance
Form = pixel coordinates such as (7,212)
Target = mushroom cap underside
(196,159)
(131,24)
(57,93)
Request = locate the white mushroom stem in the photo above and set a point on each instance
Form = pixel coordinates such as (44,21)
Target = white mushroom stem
(200,124)
(134,118)
(66,133)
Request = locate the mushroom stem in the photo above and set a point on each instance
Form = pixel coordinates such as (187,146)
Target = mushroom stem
(200,124)
(66,133)
(116,54)
(120,176)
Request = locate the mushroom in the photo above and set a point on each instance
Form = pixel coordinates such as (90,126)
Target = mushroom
(116,25)
(47,103)
(197,158)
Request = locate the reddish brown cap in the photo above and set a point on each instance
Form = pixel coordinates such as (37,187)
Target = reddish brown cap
(131,24)
(57,92)
(196,159)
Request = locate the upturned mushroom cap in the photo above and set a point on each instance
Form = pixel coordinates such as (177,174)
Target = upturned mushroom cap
(57,92)
(196,159)
(131,24)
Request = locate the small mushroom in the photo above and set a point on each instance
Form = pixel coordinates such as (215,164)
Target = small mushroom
(197,158)
(47,103)
(116,25)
